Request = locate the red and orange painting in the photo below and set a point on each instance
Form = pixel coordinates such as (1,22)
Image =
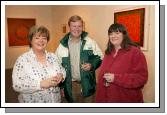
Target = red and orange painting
(133,20)
(18,29)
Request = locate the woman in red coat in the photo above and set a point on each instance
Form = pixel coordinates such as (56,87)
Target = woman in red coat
(123,72)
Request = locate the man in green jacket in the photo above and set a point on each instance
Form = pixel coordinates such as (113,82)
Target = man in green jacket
(80,56)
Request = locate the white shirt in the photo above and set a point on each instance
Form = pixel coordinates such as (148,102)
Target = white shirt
(27,74)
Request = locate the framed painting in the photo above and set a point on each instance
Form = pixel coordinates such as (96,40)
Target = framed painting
(64,28)
(134,21)
(18,29)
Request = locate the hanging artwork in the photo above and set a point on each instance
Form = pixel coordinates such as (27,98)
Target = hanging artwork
(64,28)
(134,22)
(18,29)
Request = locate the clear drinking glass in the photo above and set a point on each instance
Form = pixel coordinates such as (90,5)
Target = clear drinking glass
(106,83)
(82,62)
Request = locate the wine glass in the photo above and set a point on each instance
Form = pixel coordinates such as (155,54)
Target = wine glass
(82,62)
(106,83)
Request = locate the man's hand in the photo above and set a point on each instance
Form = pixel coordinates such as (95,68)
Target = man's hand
(86,66)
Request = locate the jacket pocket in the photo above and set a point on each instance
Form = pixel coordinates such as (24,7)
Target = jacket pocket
(87,55)
(65,62)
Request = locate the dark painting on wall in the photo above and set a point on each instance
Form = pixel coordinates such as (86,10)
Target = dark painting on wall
(18,29)
(133,20)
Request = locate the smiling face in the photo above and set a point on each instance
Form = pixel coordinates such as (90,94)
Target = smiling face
(76,28)
(39,41)
(116,38)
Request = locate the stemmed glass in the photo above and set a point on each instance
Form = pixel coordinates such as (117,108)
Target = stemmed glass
(106,83)
(82,62)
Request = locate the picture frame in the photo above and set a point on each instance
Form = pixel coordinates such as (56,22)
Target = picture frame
(64,28)
(18,29)
(135,21)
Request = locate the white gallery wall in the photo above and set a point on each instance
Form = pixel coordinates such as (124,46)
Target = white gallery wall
(97,21)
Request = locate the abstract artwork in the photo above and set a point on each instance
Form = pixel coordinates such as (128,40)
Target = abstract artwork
(133,20)
(18,29)
(64,28)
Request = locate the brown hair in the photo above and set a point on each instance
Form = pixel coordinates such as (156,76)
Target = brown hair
(126,39)
(74,19)
(38,29)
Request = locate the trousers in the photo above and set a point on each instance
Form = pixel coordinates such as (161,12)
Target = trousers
(77,94)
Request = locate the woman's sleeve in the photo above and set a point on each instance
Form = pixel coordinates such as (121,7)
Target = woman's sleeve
(61,69)
(138,75)
(21,81)
(58,53)
(101,90)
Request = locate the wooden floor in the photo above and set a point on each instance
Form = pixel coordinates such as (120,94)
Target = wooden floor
(10,94)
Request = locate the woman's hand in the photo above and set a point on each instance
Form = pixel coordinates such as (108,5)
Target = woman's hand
(109,77)
(59,78)
(50,82)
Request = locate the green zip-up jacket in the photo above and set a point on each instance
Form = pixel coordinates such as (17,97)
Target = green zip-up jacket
(89,52)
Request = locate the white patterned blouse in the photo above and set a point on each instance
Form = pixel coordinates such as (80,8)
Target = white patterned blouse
(27,74)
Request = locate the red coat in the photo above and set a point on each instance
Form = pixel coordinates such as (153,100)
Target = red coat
(130,70)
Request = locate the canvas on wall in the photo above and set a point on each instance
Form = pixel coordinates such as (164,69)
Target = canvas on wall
(18,29)
(134,22)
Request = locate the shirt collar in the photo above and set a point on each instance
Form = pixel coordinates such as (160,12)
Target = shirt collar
(70,37)
(33,54)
